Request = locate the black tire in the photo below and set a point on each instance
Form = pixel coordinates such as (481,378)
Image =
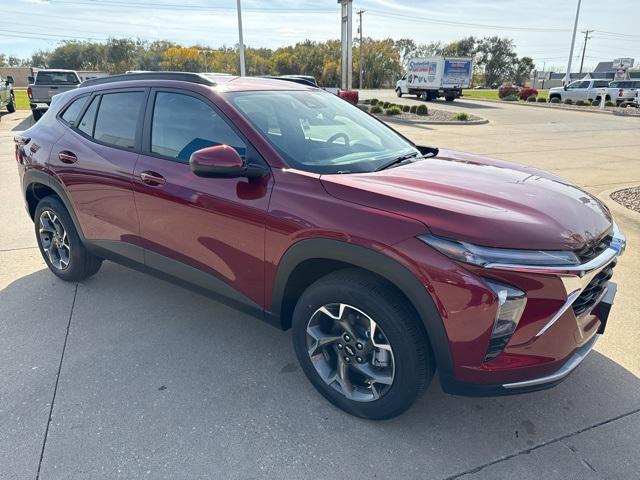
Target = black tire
(449,99)
(81,263)
(11,106)
(412,356)
(37,114)
(399,92)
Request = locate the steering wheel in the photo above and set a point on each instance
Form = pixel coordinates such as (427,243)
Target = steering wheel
(335,136)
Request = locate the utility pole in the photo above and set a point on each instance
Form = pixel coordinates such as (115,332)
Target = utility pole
(241,46)
(346,62)
(584,48)
(360,12)
(567,77)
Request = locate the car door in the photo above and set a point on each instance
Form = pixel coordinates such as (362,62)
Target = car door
(209,231)
(94,160)
(4,93)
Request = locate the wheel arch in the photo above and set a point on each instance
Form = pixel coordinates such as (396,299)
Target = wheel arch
(308,260)
(37,185)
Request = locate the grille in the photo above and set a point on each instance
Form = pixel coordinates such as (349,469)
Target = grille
(592,251)
(593,291)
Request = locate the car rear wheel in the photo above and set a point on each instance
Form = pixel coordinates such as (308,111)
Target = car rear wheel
(11,106)
(59,243)
(360,344)
(37,114)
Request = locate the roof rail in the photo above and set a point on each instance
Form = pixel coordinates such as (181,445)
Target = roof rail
(180,76)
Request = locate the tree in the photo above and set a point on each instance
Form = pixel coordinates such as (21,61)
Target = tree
(182,59)
(497,57)
(523,69)
(461,48)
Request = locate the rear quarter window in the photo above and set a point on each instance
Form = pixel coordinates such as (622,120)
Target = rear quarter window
(70,114)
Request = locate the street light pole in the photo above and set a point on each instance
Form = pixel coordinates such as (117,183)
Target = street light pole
(567,77)
(360,12)
(346,65)
(241,47)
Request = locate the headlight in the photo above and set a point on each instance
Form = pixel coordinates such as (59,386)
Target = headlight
(481,256)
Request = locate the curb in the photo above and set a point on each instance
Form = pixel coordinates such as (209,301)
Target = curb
(618,208)
(544,105)
(390,119)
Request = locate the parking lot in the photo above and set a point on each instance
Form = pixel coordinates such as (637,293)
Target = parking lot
(128,376)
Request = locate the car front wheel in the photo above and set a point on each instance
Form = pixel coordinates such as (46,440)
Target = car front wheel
(398,92)
(361,345)
(11,106)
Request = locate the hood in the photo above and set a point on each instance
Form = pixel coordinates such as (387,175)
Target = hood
(481,200)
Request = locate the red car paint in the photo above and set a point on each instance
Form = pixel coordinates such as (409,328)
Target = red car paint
(239,231)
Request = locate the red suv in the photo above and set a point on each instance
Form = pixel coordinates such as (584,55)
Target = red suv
(389,260)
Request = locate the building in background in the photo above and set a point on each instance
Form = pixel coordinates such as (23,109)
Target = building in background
(20,75)
(604,70)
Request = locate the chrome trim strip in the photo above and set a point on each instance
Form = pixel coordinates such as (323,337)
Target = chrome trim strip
(575,360)
(572,298)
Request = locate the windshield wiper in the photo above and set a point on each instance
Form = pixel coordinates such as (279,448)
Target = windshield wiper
(397,160)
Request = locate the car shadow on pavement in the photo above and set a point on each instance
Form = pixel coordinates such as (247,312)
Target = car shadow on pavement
(464,104)
(156,375)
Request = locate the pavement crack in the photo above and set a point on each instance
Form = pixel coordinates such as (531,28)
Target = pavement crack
(16,249)
(55,388)
(543,444)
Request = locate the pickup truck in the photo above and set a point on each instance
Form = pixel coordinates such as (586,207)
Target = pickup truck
(45,85)
(625,90)
(7,97)
(590,90)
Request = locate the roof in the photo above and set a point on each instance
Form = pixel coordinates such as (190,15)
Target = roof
(604,67)
(224,82)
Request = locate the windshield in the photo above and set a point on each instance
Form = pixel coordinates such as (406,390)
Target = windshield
(319,132)
(57,77)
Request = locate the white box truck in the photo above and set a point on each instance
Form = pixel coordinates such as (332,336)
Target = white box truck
(435,77)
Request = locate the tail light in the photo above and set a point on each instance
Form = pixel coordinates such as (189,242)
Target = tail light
(30,92)
(511,303)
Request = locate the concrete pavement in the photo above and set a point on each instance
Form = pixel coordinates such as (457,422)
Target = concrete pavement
(158,382)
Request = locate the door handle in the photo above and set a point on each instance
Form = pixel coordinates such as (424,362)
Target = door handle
(66,156)
(152,178)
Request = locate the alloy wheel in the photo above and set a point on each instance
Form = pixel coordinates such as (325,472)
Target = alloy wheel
(54,239)
(350,352)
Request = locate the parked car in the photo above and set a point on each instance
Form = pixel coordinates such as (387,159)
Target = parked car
(585,90)
(7,96)
(45,85)
(624,90)
(434,77)
(389,260)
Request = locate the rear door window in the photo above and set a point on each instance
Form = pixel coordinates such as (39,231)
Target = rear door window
(117,119)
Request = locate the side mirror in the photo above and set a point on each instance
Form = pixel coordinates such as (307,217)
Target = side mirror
(9,80)
(222,161)
(31,79)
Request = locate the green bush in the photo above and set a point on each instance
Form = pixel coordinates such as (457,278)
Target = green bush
(374,101)
(422,110)
(609,103)
(541,100)
(580,103)
(393,111)
(568,101)
(595,103)
(366,101)
(386,105)
(413,109)
(376,109)
(510,98)
(554,100)
(462,116)
(531,99)
(405,108)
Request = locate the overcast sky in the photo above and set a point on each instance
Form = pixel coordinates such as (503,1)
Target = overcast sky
(541,29)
